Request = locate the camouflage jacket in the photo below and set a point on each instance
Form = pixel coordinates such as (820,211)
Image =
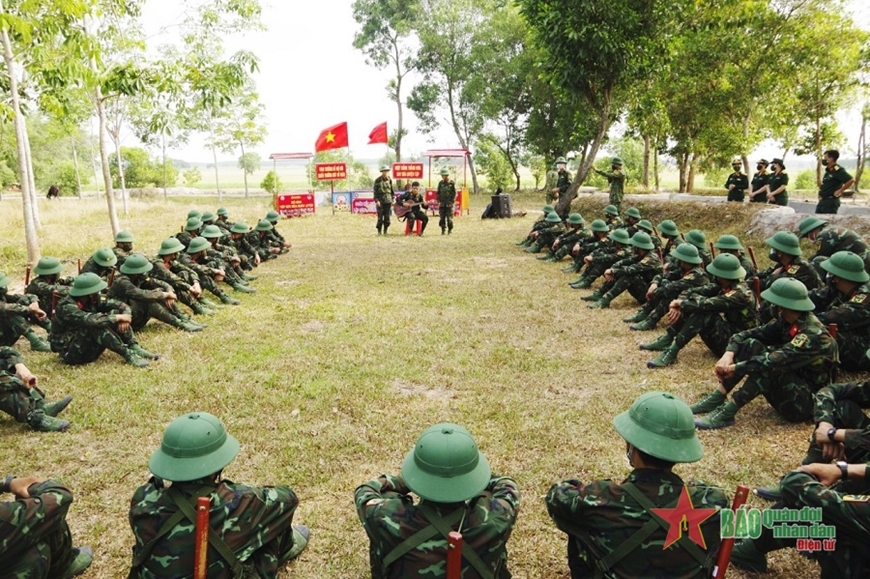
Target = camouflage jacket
(389,516)
(70,317)
(826,410)
(799,268)
(184,237)
(676,282)
(121,255)
(163,272)
(571,236)
(610,253)
(242,246)
(383,190)
(563,183)
(8,358)
(805,347)
(851,312)
(14,304)
(834,239)
(43,290)
(92,266)
(645,267)
(616,179)
(446,194)
(751,270)
(737,304)
(260,241)
(146,290)
(205,267)
(614,221)
(24,523)
(246,518)
(609,516)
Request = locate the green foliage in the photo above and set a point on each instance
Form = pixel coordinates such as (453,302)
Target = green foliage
(492,163)
(249,162)
(715,178)
(141,170)
(191,177)
(805,180)
(65,178)
(7,175)
(271,182)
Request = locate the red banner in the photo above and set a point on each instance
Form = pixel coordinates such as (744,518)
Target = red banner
(295,204)
(330,171)
(432,202)
(407,170)
(363,206)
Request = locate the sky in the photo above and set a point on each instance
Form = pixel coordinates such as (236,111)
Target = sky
(311,77)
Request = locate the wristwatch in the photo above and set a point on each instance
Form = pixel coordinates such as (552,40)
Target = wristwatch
(831,432)
(844,470)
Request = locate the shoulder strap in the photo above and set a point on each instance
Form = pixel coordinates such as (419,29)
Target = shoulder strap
(419,538)
(444,528)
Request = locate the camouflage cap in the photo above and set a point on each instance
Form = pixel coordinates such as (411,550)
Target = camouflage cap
(170,246)
(263,225)
(697,238)
(846,265)
(633,212)
(136,264)
(124,237)
(193,224)
(48,266)
(599,226)
(669,228)
(810,223)
(575,219)
(446,466)
(198,244)
(87,284)
(620,236)
(728,241)
(211,232)
(105,257)
(688,253)
(553,217)
(785,242)
(239,227)
(194,445)
(789,293)
(726,266)
(661,425)
(611,210)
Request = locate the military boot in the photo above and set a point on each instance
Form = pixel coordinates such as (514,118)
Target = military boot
(666,358)
(199,309)
(644,325)
(189,326)
(42,422)
(142,352)
(534,248)
(603,303)
(772,494)
(524,243)
(594,296)
(660,343)
(249,276)
(722,417)
(37,344)
(209,304)
(245,290)
(746,557)
(228,300)
(55,408)
(81,560)
(571,268)
(581,282)
(544,257)
(638,317)
(301,536)
(134,359)
(708,403)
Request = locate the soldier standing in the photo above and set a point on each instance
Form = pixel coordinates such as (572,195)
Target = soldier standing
(616,178)
(446,201)
(384,195)
(560,189)
(737,182)
(834,183)
(759,182)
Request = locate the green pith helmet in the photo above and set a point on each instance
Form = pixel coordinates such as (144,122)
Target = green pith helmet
(697,238)
(211,232)
(808,224)
(198,244)
(273,216)
(785,242)
(105,257)
(124,237)
(445,171)
(48,266)
(599,226)
(87,284)
(170,246)
(688,253)
(575,219)
(222,212)
(446,465)
(728,241)
(846,265)
(207,217)
(383,168)
(194,213)
(616,161)
(642,240)
(789,293)
(661,425)
(669,228)
(726,266)
(193,224)
(620,236)
(561,160)
(632,212)
(5,280)
(194,446)
(263,225)
(645,225)
(553,218)
(548,209)
(611,210)
(136,264)
(239,227)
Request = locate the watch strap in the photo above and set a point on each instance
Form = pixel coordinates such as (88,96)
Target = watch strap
(844,469)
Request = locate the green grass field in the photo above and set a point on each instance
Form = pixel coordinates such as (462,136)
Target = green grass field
(352,346)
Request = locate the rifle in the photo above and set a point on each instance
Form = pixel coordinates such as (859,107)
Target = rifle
(200,545)
(54,297)
(111,279)
(727,545)
(27,276)
(756,289)
(752,257)
(712,249)
(80,265)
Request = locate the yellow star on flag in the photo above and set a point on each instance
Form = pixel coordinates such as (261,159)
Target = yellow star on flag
(330,137)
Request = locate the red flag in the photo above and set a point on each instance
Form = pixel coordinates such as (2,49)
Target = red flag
(334,137)
(379,134)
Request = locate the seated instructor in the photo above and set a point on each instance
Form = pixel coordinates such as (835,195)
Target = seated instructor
(457,493)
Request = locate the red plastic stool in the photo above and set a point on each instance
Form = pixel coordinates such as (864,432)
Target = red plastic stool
(418,224)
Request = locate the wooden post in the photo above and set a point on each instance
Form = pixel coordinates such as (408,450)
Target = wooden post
(727,545)
(712,249)
(80,265)
(752,257)
(454,555)
(27,276)
(200,561)
(832,328)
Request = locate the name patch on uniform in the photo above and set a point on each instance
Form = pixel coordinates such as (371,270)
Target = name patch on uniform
(793,269)
(859,299)
(799,340)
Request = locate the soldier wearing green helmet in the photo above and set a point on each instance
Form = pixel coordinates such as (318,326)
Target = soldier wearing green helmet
(845,301)
(227,259)
(86,325)
(239,241)
(457,490)
(632,218)
(612,218)
(123,246)
(669,232)
(223,221)
(785,253)
(208,272)
(183,280)
(446,197)
(616,529)
(597,238)
(832,239)
(537,225)
(786,360)
(730,244)
(22,399)
(618,247)
(252,532)
(190,230)
(102,262)
(697,238)
(147,297)
(716,311)
(261,241)
(384,196)
(275,236)
(545,237)
(560,190)
(17,312)
(616,179)
(46,281)
(632,273)
(565,241)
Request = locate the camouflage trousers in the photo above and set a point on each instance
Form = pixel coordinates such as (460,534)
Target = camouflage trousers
(47,559)
(714,330)
(384,210)
(210,285)
(15,398)
(87,344)
(445,217)
(636,286)
(616,198)
(848,415)
(658,306)
(850,558)
(789,393)
(12,327)
(852,352)
(144,311)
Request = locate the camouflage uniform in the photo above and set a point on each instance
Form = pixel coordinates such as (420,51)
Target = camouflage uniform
(146,301)
(670,286)
(786,363)
(563,183)
(565,242)
(616,179)
(254,522)
(716,314)
(91,266)
(587,246)
(185,237)
(800,269)
(841,405)
(546,237)
(633,274)
(246,252)
(602,259)
(446,196)
(43,288)
(205,272)
(614,221)
(389,516)
(122,254)
(833,239)
(36,542)
(383,190)
(15,317)
(163,271)
(80,335)
(261,243)
(16,399)
(851,313)
(601,516)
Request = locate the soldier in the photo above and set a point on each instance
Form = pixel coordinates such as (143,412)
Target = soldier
(832,239)
(102,263)
(759,182)
(457,491)
(416,205)
(716,311)
(252,532)
(191,230)
(785,252)
(223,219)
(261,241)
(697,238)
(647,226)
(737,182)
(228,259)
(16,314)
(668,230)
(632,273)
(777,182)
(600,260)
(565,242)
(667,286)
(208,272)
(86,325)
(786,360)
(183,280)
(627,529)
(47,282)
(560,189)
(274,235)
(239,241)
(148,298)
(552,178)
(730,244)
(36,542)
(21,398)
(123,246)
(616,179)
(547,236)
(632,218)
(835,182)
(446,196)
(384,195)
(845,301)
(539,224)
(612,218)
(597,239)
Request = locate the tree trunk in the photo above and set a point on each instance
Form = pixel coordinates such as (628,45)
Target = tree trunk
(646,151)
(30,238)
(656,168)
(104,161)
(818,151)
(163,143)
(117,141)
(216,183)
(690,182)
(589,155)
(31,181)
(76,167)
(244,169)
(684,172)
(862,149)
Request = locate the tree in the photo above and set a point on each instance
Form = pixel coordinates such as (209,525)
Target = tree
(249,163)
(862,146)
(272,183)
(191,177)
(240,124)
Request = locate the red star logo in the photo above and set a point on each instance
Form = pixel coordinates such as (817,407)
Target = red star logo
(685,517)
